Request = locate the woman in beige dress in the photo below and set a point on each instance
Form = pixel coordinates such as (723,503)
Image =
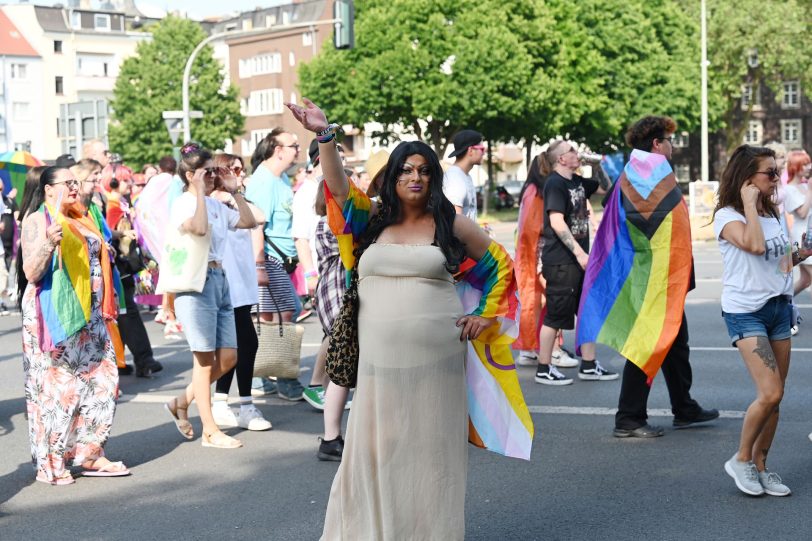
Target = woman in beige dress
(403,471)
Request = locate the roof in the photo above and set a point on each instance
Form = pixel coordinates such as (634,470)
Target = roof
(12,42)
(51,19)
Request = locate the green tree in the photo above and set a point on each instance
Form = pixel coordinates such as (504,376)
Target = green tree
(150,83)
(432,66)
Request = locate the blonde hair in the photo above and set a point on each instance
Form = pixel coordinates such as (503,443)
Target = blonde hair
(549,157)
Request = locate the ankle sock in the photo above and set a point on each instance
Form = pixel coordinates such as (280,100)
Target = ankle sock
(220,397)
(246,402)
(543,368)
(587,364)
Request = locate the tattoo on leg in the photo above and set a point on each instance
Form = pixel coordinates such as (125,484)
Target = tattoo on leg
(765,352)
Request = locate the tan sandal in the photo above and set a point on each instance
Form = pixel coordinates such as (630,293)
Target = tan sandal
(219,440)
(183,425)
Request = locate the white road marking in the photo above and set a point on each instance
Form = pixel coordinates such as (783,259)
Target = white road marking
(574,410)
(147,398)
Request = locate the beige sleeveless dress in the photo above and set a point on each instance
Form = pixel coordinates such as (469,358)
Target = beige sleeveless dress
(403,472)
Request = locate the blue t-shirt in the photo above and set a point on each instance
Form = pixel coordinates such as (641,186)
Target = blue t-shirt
(274,197)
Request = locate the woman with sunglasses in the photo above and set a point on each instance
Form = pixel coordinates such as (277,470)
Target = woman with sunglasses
(207,317)
(756,296)
(245,268)
(66,289)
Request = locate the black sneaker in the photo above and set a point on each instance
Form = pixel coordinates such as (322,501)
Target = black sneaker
(702,417)
(149,370)
(126,371)
(596,372)
(331,450)
(550,375)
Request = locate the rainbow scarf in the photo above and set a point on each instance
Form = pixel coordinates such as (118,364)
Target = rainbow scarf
(101,224)
(64,300)
(348,223)
(498,418)
(640,266)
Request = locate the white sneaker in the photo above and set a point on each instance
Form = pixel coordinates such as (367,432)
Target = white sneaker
(793,330)
(527,358)
(562,359)
(251,418)
(223,415)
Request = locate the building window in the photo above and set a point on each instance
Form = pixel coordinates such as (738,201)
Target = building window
(76,20)
(95,65)
(101,21)
(57,47)
(683,173)
(265,102)
(21,110)
(792,95)
(750,94)
(754,133)
(752,58)
(270,20)
(293,97)
(791,133)
(260,65)
(307,39)
(247,24)
(60,89)
(292,58)
(680,140)
(19,71)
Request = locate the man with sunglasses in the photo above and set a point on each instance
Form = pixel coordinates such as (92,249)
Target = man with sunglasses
(654,134)
(458,185)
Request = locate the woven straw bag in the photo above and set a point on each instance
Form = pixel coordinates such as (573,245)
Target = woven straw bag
(280,348)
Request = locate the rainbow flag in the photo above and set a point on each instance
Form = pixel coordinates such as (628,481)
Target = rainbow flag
(348,222)
(64,292)
(498,418)
(640,265)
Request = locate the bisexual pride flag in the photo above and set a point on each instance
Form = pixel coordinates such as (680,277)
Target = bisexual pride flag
(640,265)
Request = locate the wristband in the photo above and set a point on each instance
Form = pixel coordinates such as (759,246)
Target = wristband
(311,274)
(326,138)
(331,128)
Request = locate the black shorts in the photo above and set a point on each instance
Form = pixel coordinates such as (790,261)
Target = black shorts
(564,283)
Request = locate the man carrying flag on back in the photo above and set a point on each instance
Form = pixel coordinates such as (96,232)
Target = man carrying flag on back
(639,272)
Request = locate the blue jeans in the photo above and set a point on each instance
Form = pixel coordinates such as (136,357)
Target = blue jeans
(772,320)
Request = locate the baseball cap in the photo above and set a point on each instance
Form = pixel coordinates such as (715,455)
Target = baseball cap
(65,160)
(463,140)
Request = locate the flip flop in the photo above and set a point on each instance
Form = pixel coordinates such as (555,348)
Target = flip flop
(58,481)
(183,425)
(105,470)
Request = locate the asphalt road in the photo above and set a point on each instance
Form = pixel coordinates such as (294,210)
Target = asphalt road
(580,484)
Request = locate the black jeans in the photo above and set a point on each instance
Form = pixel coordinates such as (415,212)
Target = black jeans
(247,345)
(133,332)
(676,369)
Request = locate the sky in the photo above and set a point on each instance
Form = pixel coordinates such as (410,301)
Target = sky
(196,9)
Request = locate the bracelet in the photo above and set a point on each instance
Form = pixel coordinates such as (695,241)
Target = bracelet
(327,139)
(331,128)
(311,274)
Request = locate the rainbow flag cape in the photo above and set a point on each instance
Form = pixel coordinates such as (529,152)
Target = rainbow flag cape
(640,266)
(498,418)
(101,224)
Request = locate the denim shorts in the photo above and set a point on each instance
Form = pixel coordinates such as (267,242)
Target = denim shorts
(208,317)
(772,320)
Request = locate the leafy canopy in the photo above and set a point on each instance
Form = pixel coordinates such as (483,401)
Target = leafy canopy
(150,83)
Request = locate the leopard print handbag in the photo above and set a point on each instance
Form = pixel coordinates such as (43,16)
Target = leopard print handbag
(342,349)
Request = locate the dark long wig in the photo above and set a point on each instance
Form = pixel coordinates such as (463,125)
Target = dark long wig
(33,202)
(438,205)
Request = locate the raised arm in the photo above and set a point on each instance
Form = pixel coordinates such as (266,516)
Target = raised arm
(198,224)
(748,237)
(247,218)
(313,119)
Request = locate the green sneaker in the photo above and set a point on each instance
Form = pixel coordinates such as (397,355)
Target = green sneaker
(315,397)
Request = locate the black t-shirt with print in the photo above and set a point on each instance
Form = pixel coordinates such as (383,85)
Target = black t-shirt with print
(569,197)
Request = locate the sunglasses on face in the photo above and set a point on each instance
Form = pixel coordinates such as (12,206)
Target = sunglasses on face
(772,173)
(69,183)
(237,170)
(215,172)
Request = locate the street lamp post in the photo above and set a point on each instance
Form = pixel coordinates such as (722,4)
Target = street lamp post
(704,110)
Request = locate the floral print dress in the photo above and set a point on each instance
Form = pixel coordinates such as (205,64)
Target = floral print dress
(71,392)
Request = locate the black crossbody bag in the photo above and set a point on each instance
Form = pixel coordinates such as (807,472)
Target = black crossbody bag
(289,263)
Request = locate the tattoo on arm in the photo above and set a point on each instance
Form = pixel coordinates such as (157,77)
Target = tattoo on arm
(765,352)
(30,234)
(567,239)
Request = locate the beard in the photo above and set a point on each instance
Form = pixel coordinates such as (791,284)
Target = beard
(86,200)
